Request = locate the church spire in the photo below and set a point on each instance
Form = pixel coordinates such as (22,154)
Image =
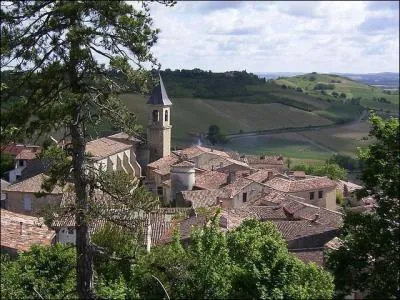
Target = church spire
(159,95)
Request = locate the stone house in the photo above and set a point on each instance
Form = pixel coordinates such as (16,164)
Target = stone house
(24,154)
(318,191)
(21,196)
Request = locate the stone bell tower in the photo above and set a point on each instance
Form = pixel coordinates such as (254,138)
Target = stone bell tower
(159,124)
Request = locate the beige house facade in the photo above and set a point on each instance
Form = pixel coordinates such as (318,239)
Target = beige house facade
(21,196)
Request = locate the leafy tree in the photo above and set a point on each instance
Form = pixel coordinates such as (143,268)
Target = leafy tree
(332,170)
(51,47)
(251,261)
(40,273)
(266,270)
(369,258)
(6,162)
(214,135)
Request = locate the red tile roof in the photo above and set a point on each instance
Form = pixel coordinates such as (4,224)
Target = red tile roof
(292,186)
(202,198)
(15,149)
(309,255)
(263,159)
(110,145)
(33,231)
(210,180)
(194,151)
(29,154)
(261,176)
(236,187)
(31,185)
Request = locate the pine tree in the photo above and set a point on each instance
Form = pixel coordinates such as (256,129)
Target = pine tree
(56,83)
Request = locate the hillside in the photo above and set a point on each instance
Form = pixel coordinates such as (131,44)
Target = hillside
(334,89)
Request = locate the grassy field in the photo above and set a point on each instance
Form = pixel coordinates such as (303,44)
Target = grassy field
(306,145)
(369,95)
(190,115)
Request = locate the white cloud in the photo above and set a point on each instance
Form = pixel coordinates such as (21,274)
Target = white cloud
(278,36)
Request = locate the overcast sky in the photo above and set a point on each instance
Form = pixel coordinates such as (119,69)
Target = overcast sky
(351,37)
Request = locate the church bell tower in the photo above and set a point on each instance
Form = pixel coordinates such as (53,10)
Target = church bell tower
(159,124)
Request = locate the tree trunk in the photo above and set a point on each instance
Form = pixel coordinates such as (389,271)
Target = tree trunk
(84,268)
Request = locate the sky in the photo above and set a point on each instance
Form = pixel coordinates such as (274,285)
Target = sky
(279,36)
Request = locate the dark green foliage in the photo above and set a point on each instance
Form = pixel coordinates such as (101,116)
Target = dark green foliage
(215,136)
(345,161)
(332,170)
(40,273)
(369,258)
(324,86)
(343,95)
(251,261)
(6,162)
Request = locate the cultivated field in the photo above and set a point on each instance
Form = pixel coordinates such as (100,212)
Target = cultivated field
(190,115)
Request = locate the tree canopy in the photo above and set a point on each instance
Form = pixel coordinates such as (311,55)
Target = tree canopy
(53,50)
(369,258)
(249,262)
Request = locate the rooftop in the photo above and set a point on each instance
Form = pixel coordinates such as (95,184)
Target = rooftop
(31,185)
(159,95)
(28,153)
(291,186)
(263,159)
(33,231)
(194,151)
(202,198)
(210,180)
(110,145)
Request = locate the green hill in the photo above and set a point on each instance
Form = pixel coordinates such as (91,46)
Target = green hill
(335,89)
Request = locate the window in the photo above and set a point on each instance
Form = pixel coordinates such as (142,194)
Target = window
(166,115)
(27,203)
(160,190)
(70,231)
(311,195)
(155,115)
(21,162)
(244,197)
(320,194)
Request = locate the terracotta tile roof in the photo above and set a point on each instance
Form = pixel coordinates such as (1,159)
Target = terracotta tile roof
(31,185)
(261,176)
(300,174)
(33,231)
(184,163)
(351,187)
(110,145)
(28,154)
(234,188)
(315,255)
(160,223)
(307,184)
(202,198)
(194,151)
(263,159)
(210,180)
(15,149)
(162,166)
(271,197)
(293,218)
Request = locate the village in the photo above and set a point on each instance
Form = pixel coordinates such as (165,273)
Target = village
(192,184)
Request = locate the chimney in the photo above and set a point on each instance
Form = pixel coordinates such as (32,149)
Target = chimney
(262,156)
(231,177)
(20,228)
(270,175)
(316,217)
(221,204)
